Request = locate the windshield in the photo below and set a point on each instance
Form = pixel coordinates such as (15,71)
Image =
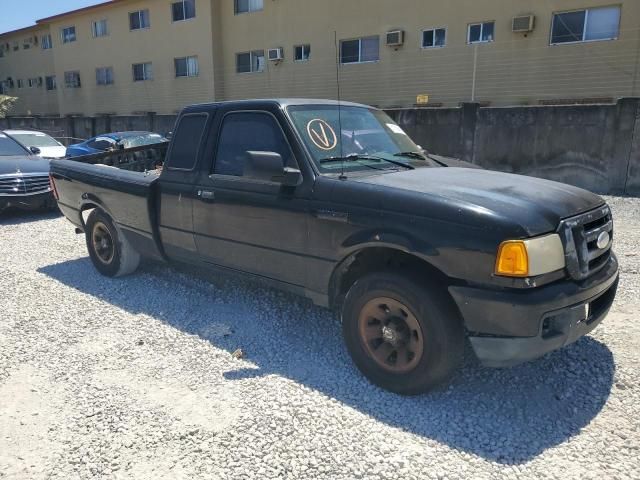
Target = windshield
(9,147)
(35,139)
(141,140)
(369,139)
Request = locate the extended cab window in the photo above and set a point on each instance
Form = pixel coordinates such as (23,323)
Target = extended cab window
(186,141)
(244,132)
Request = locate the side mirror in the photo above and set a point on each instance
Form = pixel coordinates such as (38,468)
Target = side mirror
(269,166)
(35,150)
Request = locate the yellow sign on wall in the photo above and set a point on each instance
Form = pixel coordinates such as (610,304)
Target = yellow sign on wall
(422,99)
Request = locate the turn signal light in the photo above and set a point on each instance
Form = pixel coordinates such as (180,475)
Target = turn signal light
(513,260)
(52,186)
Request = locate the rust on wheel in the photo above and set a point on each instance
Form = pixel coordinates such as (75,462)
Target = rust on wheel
(391,334)
(103,243)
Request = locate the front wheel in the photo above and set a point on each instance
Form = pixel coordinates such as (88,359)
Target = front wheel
(403,336)
(110,252)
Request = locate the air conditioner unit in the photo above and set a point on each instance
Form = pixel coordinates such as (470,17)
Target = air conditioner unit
(276,54)
(395,38)
(523,24)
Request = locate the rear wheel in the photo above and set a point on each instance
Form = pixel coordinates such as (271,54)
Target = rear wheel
(401,335)
(110,252)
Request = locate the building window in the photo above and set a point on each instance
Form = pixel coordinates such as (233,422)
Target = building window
(588,25)
(434,37)
(186,66)
(142,72)
(247,6)
(250,62)
(72,79)
(99,28)
(26,44)
(68,34)
(104,76)
(183,10)
(481,32)
(139,20)
(360,50)
(31,82)
(20,83)
(302,53)
(16,46)
(46,42)
(50,82)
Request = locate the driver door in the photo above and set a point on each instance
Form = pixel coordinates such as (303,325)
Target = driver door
(246,224)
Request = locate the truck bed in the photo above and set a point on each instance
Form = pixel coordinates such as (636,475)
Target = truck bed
(127,196)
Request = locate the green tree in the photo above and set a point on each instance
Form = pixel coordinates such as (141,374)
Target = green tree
(6,104)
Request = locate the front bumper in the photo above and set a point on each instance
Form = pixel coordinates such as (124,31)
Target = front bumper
(509,327)
(27,202)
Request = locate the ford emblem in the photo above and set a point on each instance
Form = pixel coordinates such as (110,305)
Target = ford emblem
(603,240)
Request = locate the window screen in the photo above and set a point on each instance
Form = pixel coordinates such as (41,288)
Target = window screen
(245,132)
(568,27)
(139,20)
(186,141)
(586,25)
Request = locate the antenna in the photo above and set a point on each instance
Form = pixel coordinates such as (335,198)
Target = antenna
(335,41)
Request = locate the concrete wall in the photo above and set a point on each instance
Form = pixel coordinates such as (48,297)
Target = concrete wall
(72,129)
(592,146)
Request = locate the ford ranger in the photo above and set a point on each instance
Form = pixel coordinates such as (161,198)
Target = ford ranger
(333,201)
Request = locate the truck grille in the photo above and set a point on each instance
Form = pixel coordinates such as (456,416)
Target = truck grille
(24,185)
(580,238)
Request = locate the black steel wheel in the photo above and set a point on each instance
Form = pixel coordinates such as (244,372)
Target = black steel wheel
(110,252)
(403,335)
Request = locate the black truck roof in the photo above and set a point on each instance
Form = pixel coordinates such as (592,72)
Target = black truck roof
(282,102)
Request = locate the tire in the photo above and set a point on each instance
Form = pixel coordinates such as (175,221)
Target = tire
(403,336)
(110,252)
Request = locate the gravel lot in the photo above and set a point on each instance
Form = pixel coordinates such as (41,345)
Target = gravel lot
(134,378)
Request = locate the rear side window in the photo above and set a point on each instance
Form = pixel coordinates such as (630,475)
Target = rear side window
(186,141)
(244,132)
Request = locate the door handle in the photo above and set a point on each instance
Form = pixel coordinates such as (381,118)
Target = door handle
(206,195)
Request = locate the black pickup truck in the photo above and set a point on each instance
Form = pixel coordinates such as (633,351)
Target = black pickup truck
(335,202)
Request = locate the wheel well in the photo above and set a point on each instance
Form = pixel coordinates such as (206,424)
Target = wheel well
(372,260)
(85,211)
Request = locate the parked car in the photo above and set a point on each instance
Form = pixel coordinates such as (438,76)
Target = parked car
(114,141)
(38,143)
(414,255)
(24,177)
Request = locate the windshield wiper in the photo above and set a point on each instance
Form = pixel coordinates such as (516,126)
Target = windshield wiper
(424,155)
(356,157)
(418,155)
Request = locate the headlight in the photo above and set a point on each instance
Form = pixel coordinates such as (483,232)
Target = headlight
(529,258)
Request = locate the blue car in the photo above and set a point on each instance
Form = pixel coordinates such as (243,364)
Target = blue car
(114,141)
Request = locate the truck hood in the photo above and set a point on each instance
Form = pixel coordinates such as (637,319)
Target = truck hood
(535,204)
(23,164)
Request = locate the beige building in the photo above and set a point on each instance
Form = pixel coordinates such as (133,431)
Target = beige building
(134,56)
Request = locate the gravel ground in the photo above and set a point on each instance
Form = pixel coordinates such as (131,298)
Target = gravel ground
(134,378)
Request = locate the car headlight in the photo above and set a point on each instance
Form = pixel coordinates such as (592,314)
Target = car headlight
(529,258)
